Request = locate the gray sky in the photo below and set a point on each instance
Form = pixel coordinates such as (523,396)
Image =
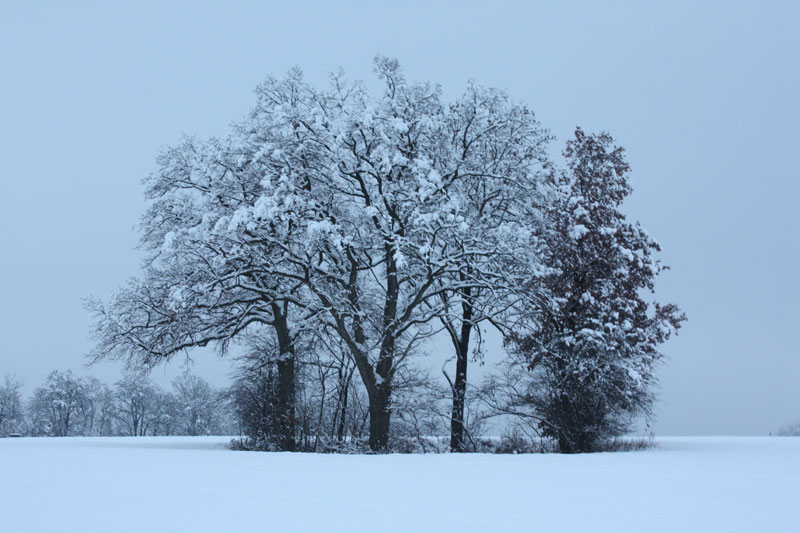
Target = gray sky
(704,96)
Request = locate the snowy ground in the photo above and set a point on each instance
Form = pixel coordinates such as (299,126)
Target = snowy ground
(195,484)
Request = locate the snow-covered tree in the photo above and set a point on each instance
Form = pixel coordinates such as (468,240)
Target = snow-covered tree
(332,206)
(11,413)
(57,407)
(395,222)
(209,276)
(592,345)
(136,404)
(498,149)
(104,408)
(98,410)
(199,405)
(254,396)
(168,417)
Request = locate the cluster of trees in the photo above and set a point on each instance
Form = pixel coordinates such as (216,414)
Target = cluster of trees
(335,233)
(789,430)
(68,405)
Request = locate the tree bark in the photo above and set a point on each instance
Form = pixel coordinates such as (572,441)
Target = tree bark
(461,345)
(343,395)
(286,379)
(380,398)
(457,440)
(379,417)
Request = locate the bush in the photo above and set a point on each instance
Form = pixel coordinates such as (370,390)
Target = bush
(514,441)
(629,444)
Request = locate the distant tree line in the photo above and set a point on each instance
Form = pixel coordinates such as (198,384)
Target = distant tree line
(67,405)
(336,233)
(789,430)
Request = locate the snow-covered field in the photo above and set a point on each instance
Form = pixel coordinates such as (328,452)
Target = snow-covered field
(195,484)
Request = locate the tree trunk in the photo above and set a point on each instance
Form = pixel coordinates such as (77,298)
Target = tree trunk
(461,345)
(457,443)
(286,403)
(286,370)
(379,418)
(381,394)
(344,393)
(457,437)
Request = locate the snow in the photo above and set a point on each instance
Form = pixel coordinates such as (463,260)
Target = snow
(195,484)
(578,231)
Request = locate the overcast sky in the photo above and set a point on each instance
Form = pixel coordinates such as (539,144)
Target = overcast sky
(704,96)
